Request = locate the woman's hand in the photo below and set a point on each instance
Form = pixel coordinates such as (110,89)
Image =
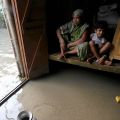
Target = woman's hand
(69,45)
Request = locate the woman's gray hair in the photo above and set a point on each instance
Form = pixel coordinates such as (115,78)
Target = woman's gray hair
(78,12)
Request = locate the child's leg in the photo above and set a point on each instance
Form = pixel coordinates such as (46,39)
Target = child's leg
(105,48)
(94,49)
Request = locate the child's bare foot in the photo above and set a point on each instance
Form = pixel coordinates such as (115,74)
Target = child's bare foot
(101,60)
(107,62)
(91,59)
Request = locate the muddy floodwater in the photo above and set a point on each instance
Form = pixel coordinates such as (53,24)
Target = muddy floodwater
(8,69)
(69,93)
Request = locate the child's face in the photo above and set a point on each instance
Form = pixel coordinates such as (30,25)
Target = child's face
(76,20)
(100,32)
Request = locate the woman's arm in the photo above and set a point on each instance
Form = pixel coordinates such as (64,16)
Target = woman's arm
(79,41)
(61,41)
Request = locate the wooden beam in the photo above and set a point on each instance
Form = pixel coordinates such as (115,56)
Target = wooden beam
(76,61)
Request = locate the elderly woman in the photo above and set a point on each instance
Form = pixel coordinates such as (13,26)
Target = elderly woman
(72,36)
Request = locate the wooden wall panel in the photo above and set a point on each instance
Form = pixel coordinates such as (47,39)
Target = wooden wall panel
(115,53)
(31,26)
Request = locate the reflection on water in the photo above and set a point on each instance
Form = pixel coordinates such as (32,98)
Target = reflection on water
(11,109)
(7,55)
(8,78)
(7,84)
(8,69)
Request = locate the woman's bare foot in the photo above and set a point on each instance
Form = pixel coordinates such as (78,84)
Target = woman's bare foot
(61,57)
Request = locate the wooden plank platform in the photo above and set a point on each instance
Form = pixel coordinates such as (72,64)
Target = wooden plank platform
(76,61)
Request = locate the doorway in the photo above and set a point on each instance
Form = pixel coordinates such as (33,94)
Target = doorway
(9,78)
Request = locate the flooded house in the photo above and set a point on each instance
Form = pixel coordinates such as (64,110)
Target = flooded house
(32,26)
(33,23)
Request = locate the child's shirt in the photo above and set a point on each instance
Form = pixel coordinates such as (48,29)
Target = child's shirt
(97,40)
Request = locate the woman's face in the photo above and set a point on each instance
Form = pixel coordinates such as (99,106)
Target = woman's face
(76,20)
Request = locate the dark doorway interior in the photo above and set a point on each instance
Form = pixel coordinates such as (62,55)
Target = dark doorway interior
(61,11)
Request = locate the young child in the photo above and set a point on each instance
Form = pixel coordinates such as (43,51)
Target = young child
(72,36)
(99,45)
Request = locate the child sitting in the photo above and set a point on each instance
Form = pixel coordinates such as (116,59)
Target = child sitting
(99,45)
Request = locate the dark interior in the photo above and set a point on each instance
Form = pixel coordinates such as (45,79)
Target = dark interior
(60,11)
(46,15)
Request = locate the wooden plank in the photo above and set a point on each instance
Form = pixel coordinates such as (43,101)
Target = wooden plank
(115,53)
(76,61)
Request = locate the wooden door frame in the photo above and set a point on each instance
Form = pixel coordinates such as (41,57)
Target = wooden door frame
(34,63)
(20,38)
